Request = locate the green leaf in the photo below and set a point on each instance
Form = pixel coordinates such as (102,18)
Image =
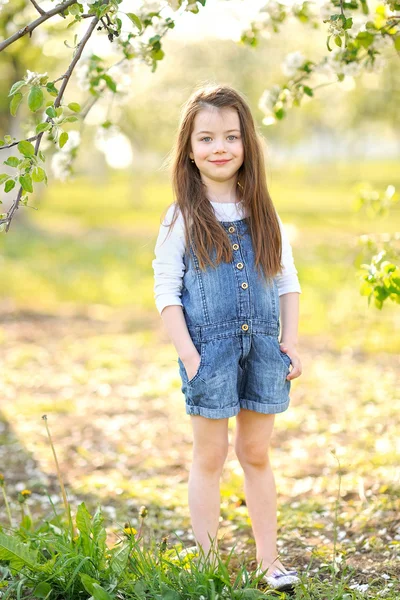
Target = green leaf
(50,111)
(74,106)
(88,582)
(100,593)
(43,127)
(349,23)
(12,161)
(397,42)
(35,98)
(9,186)
(168,593)
(17,553)
(26,182)
(135,20)
(42,156)
(42,590)
(16,86)
(26,148)
(63,139)
(338,40)
(120,559)
(51,88)
(75,9)
(158,54)
(83,519)
(4,177)
(70,119)
(15,102)
(308,90)
(110,82)
(38,174)
(365,38)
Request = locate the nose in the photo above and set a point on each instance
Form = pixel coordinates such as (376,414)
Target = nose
(219,146)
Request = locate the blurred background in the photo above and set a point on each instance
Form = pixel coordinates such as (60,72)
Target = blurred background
(80,337)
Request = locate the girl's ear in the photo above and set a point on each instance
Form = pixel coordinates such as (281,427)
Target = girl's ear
(191,155)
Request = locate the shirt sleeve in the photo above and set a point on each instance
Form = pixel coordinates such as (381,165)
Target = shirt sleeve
(168,265)
(287,280)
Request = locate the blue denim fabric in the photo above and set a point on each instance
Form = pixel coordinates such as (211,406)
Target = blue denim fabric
(236,332)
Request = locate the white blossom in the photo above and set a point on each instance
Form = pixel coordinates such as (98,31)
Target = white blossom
(34,78)
(352,68)
(359,22)
(268,99)
(191,6)
(175,4)
(376,66)
(293,62)
(61,160)
(273,8)
(336,27)
(326,10)
(60,165)
(81,73)
(324,68)
(382,41)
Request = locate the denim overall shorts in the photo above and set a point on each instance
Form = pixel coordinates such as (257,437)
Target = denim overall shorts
(233,318)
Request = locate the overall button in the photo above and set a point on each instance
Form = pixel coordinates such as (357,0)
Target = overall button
(235,246)
(240,265)
(245,285)
(231,229)
(245,327)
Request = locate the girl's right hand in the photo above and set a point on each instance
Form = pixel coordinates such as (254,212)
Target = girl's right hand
(192,365)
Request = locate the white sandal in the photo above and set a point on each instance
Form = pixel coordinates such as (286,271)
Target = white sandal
(280,580)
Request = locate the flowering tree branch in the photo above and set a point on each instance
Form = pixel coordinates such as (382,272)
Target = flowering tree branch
(360,40)
(29,28)
(105,16)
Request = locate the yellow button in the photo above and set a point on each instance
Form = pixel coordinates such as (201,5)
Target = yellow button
(240,265)
(245,327)
(235,246)
(231,229)
(245,285)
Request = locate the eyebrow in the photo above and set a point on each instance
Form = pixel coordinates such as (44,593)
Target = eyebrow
(198,132)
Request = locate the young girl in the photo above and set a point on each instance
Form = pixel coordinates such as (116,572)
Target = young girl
(223,296)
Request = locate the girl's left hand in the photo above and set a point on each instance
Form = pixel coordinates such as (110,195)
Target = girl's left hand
(291,350)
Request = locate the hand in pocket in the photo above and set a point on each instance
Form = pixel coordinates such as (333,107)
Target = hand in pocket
(192,366)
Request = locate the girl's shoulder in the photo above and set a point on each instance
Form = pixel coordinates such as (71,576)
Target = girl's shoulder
(169,216)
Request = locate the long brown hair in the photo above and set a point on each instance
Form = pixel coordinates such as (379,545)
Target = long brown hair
(202,229)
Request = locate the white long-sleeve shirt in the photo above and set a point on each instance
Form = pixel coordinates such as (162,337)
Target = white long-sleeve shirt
(169,267)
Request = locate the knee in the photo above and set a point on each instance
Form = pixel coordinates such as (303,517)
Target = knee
(210,458)
(252,454)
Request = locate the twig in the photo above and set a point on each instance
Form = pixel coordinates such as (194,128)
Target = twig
(57,102)
(29,28)
(36,5)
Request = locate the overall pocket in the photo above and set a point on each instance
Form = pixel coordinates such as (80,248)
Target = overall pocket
(284,356)
(200,347)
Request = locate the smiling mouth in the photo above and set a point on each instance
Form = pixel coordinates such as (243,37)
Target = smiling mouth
(221,161)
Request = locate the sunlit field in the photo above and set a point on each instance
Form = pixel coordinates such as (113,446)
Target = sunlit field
(81,341)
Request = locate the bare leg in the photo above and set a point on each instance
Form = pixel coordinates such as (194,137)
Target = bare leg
(210,448)
(253,434)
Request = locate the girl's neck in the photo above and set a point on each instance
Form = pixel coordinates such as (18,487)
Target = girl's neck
(222,192)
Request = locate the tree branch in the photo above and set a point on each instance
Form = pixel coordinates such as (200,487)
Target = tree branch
(29,28)
(57,102)
(36,5)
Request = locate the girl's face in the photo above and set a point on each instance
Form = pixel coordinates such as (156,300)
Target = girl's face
(216,136)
